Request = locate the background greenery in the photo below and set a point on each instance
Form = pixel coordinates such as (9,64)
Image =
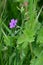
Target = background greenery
(22,45)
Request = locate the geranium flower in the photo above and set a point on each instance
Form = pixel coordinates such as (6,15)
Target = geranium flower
(13,23)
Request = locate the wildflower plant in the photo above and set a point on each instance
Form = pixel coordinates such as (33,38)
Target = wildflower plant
(21,33)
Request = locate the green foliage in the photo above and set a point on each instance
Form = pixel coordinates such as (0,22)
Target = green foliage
(30,29)
(38,61)
(40,36)
(9,41)
(22,45)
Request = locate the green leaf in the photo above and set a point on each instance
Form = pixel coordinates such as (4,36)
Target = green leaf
(28,33)
(37,50)
(40,37)
(8,41)
(38,61)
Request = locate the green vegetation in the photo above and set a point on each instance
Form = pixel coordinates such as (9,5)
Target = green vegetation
(23,43)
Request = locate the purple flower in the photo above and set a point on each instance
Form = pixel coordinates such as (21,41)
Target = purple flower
(13,23)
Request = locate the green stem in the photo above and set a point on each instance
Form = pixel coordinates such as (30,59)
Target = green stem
(39,13)
(31,49)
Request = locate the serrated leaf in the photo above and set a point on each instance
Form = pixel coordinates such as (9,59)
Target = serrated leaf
(28,33)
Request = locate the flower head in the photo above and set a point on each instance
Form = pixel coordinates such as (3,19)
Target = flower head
(13,23)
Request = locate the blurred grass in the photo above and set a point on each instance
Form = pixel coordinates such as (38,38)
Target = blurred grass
(8,10)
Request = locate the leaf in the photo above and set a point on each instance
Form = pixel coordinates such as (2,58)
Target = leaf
(28,34)
(37,50)
(21,39)
(40,37)
(38,61)
(8,41)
